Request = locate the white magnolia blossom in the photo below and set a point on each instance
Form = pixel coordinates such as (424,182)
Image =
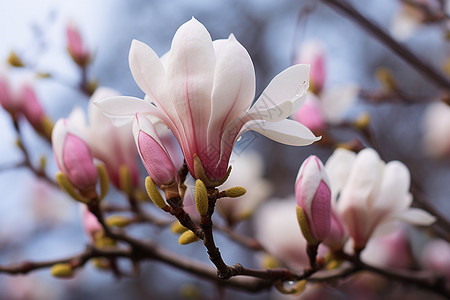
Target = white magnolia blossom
(202,90)
(114,145)
(277,230)
(371,193)
(248,169)
(436,126)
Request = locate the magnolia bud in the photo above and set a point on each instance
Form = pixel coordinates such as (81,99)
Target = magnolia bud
(154,155)
(76,47)
(74,157)
(62,270)
(312,191)
(338,233)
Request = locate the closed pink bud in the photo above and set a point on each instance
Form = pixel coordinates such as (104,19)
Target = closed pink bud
(75,45)
(73,156)
(310,114)
(312,191)
(32,109)
(9,96)
(153,153)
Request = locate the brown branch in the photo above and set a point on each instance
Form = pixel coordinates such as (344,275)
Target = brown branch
(402,51)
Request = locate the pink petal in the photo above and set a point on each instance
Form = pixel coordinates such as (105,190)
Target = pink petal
(233,89)
(190,73)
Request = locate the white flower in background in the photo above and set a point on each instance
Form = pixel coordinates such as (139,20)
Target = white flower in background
(371,193)
(277,230)
(202,90)
(248,169)
(113,145)
(409,18)
(436,126)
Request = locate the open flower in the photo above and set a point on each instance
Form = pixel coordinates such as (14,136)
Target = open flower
(113,145)
(372,193)
(202,90)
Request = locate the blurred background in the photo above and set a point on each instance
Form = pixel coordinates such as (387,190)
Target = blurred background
(38,222)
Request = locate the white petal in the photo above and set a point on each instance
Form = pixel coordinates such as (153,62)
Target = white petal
(148,72)
(190,73)
(394,188)
(288,86)
(363,181)
(123,109)
(338,168)
(416,216)
(335,101)
(233,88)
(287,132)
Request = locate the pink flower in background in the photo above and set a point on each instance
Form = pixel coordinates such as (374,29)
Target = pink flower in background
(32,108)
(392,250)
(311,114)
(90,223)
(73,156)
(277,230)
(312,53)
(153,153)
(373,194)
(248,171)
(113,145)
(203,90)
(436,126)
(75,45)
(436,257)
(312,191)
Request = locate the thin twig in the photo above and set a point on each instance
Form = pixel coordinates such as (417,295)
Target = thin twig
(428,72)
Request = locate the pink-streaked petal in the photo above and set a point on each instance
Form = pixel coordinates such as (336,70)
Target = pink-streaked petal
(416,216)
(148,72)
(59,133)
(288,86)
(233,88)
(190,73)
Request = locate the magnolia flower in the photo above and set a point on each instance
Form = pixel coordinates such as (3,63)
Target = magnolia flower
(248,168)
(113,145)
(73,156)
(436,257)
(436,126)
(277,230)
(372,193)
(17,96)
(327,108)
(392,250)
(90,223)
(202,90)
(312,191)
(408,18)
(312,53)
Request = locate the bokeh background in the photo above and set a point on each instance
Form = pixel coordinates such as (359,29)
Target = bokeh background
(39,223)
